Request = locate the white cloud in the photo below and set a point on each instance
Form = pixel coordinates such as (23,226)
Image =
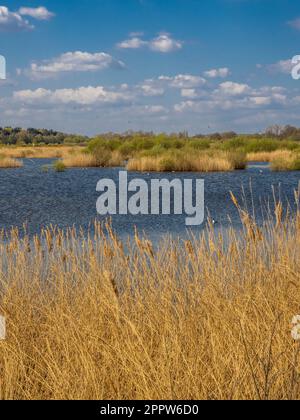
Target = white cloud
(233,96)
(222,103)
(39,13)
(82,96)
(282,66)
(233,89)
(189,93)
(132,43)
(261,100)
(295,24)
(163,43)
(13,21)
(77,61)
(214,73)
(183,81)
(150,89)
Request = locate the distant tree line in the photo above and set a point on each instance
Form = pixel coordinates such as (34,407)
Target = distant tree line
(21,136)
(279,132)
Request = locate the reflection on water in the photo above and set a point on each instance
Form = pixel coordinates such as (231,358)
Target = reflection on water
(29,195)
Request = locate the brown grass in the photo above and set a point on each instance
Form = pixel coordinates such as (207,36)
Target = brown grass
(268,156)
(193,319)
(187,162)
(286,161)
(86,160)
(81,160)
(6,162)
(46,152)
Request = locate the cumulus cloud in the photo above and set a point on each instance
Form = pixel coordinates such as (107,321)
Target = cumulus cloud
(39,13)
(163,43)
(175,100)
(233,89)
(215,73)
(189,93)
(183,81)
(77,61)
(15,21)
(149,89)
(132,43)
(282,66)
(81,96)
(12,21)
(233,96)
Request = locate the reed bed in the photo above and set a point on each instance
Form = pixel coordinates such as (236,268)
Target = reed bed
(188,162)
(269,156)
(204,318)
(86,160)
(6,163)
(286,161)
(81,160)
(47,152)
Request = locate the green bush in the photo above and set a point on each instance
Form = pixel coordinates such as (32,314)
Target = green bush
(59,166)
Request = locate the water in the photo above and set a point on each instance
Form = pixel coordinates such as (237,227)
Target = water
(29,195)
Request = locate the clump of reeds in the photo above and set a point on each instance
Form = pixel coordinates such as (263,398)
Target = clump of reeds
(86,160)
(286,161)
(59,166)
(188,162)
(7,162)
(39,152)
(269,156)
(205,318)
(80,160)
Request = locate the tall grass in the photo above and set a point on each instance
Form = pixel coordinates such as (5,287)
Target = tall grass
(269,156)
(81,160)
(38,152)
(205,318)
(286,161)
(7,162)
(186,162)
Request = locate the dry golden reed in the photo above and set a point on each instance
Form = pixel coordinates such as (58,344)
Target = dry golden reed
(187,162)
(269,156)
(79,160)
(38,152)
(85,160)
(7,162)
(205,318)
(286,161)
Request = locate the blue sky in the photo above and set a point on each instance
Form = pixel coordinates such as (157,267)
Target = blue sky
(91,66)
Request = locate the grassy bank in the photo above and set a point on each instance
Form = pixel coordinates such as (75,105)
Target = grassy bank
(191,320)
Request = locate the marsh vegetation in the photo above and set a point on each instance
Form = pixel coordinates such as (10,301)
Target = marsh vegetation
(167,153)
(203,318)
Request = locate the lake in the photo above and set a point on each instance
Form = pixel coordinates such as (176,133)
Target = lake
(38,198)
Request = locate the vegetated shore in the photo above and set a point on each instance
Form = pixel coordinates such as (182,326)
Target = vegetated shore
(205,318)
(163,153)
